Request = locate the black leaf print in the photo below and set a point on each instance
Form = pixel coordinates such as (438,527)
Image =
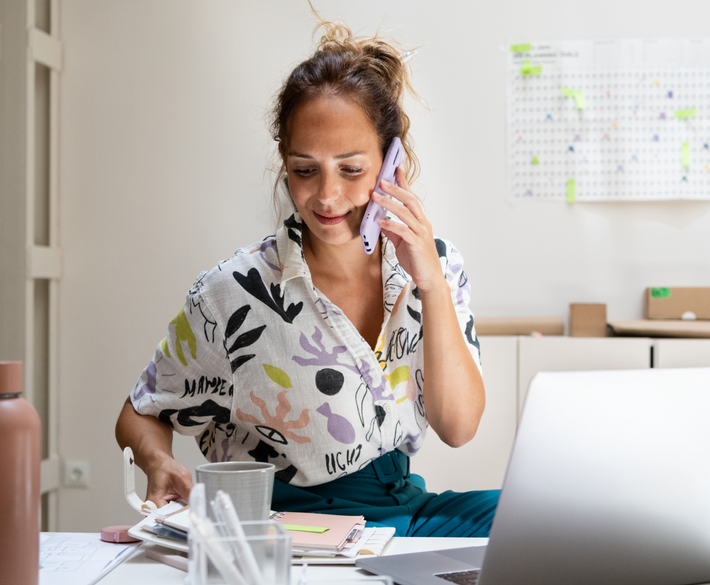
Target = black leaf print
(294,228)
(254,285)
(286,475)
(244,340)
(415,293)
(469,330)
(440,248)
(236,320)
(209,409)
(240,360)
(204,448)
(262,452)
(416,315)
(247,338)
(380,413)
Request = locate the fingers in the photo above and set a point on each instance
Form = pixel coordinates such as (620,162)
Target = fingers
(168,483)
(401,192)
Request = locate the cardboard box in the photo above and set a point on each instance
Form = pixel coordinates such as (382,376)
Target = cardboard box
(587,320)
(519,325)
(673,302)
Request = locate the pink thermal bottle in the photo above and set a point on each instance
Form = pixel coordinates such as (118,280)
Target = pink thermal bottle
(20,452)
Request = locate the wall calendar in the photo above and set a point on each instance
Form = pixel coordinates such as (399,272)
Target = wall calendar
(622,120)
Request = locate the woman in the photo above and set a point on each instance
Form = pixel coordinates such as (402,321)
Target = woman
(304,351)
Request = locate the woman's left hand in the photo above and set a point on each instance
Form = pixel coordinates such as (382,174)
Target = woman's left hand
(414,239)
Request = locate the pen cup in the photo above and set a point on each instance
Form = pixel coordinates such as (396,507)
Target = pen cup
(270,544)
(250,484)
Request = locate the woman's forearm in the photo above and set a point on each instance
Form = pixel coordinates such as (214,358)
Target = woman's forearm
(150,439)
(454,396)
(152,445)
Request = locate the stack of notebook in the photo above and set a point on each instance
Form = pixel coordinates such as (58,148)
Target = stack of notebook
(315,538)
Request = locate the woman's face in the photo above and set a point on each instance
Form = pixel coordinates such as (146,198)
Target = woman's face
(332,162)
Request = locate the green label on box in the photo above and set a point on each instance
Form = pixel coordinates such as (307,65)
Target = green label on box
(660,293)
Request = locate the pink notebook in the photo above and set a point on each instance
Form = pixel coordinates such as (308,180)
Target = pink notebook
(307,530)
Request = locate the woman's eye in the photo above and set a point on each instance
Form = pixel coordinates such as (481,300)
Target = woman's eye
(303,172)
(352,170)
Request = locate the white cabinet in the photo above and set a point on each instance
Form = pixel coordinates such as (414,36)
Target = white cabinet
(565,354)
(509,364)
(681,353)
(480,464)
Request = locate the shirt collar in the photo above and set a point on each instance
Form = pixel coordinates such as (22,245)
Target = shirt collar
(290,245)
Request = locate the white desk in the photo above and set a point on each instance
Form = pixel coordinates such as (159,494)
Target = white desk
(140,570)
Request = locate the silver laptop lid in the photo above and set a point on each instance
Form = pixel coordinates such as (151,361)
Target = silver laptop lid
(609,482)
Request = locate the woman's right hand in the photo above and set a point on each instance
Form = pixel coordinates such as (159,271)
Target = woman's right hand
(151,441)
(168,480)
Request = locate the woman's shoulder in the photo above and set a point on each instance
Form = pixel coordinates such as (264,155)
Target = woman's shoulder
(260,257)
(449,255)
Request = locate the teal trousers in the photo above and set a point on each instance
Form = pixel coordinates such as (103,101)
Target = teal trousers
(386,494)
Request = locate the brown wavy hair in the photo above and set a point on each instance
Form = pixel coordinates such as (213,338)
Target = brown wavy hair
(370,71)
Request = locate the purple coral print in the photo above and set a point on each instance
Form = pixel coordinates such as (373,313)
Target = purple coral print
(339,427)
(464,287)
(323,357)
(269,243)
(409,440)
(379,390)
(225,453)
(149,386)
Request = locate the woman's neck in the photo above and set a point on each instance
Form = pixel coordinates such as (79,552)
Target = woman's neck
(340,261)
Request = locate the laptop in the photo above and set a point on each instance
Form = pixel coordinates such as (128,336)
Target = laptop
(608,482)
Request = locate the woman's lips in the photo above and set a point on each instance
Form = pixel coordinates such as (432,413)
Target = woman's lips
(330,219)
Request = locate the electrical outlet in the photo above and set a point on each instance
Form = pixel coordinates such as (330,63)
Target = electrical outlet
(76,473)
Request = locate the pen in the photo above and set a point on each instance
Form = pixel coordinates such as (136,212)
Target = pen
(224,508)
(217,553)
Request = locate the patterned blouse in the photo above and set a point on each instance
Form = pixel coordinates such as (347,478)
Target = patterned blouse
(260,365)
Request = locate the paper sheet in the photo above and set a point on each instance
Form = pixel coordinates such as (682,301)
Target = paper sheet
(78,558)
(609,120)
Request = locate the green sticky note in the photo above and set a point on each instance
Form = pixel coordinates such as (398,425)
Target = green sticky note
(571,191)
(685,114)
(685,154)
(660,293)
(522,48)
(528,69)
(579,100)
(535,160)
(297,528)
(577,95)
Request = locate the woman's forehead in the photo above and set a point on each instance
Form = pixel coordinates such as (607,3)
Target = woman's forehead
(331,124)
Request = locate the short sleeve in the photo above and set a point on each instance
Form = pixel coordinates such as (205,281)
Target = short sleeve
(460,295)
(188,383)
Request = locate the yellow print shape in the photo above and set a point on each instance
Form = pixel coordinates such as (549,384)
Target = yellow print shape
(183,332)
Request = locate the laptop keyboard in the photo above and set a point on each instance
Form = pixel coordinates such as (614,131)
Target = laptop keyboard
(461,577)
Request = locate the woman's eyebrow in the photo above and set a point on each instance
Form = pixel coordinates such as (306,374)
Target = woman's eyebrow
(339,156)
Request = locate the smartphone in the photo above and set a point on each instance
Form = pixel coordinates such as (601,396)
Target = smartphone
(369,228)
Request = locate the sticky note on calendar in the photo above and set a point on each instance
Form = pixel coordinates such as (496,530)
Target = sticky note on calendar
(685,154)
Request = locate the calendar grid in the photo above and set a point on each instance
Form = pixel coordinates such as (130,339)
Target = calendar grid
(632,125)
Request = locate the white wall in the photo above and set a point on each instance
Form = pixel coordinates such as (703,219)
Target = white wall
(164,146)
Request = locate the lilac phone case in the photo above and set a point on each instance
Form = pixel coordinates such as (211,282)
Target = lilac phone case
(369,228)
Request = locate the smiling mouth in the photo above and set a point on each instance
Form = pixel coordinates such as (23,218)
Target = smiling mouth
(330,219)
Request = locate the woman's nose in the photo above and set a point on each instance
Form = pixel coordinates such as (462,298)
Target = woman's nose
(329,188)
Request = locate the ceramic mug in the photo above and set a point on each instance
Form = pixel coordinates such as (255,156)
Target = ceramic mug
(250,484)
